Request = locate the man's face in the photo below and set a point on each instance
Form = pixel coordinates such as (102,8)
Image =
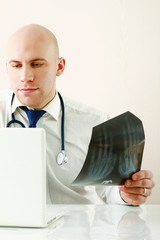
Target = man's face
(32,69)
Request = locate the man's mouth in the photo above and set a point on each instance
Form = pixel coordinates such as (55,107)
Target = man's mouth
(28,90)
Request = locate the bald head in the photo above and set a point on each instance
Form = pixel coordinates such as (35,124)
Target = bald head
(36,35)
(33,64)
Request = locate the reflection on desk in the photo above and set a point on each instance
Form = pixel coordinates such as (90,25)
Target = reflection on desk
(97,222)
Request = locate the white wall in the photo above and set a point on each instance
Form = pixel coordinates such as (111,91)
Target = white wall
(112,53)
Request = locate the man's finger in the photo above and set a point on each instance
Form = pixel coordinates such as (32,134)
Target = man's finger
(135,190)
(140,183)
(142,174)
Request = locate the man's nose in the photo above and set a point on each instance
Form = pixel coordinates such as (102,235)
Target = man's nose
(26,74)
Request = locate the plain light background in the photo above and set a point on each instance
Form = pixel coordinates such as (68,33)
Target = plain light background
(112,52)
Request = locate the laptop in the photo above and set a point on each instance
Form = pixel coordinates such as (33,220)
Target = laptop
(23,179)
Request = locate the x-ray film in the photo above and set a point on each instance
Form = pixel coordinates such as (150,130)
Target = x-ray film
(115,151)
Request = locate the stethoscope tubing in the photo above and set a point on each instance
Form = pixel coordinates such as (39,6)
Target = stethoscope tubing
(62,122)
(13,120)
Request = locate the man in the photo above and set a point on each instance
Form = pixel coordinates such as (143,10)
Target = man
(33,63)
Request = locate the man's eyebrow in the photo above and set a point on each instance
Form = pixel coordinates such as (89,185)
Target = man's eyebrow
(38,59)
(14,61)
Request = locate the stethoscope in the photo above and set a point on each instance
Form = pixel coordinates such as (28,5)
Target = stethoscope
(61,157)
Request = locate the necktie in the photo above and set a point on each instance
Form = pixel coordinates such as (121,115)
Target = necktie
(33,116)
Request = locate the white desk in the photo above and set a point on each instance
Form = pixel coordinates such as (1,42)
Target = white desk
(90,222)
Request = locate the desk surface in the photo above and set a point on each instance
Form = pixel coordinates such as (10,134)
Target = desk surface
(90,222)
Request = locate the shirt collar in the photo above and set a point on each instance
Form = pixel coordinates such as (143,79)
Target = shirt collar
(53,108)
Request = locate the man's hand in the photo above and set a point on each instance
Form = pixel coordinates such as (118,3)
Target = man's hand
(136,191)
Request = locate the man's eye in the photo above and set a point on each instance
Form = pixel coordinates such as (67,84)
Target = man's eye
(36,64)
(16,65)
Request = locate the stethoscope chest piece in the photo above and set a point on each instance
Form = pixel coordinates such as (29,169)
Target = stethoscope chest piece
(61,158)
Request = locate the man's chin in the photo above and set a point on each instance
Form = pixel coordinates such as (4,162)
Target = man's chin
(29,101)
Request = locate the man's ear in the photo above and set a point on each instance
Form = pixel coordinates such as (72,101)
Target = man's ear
(61,66)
